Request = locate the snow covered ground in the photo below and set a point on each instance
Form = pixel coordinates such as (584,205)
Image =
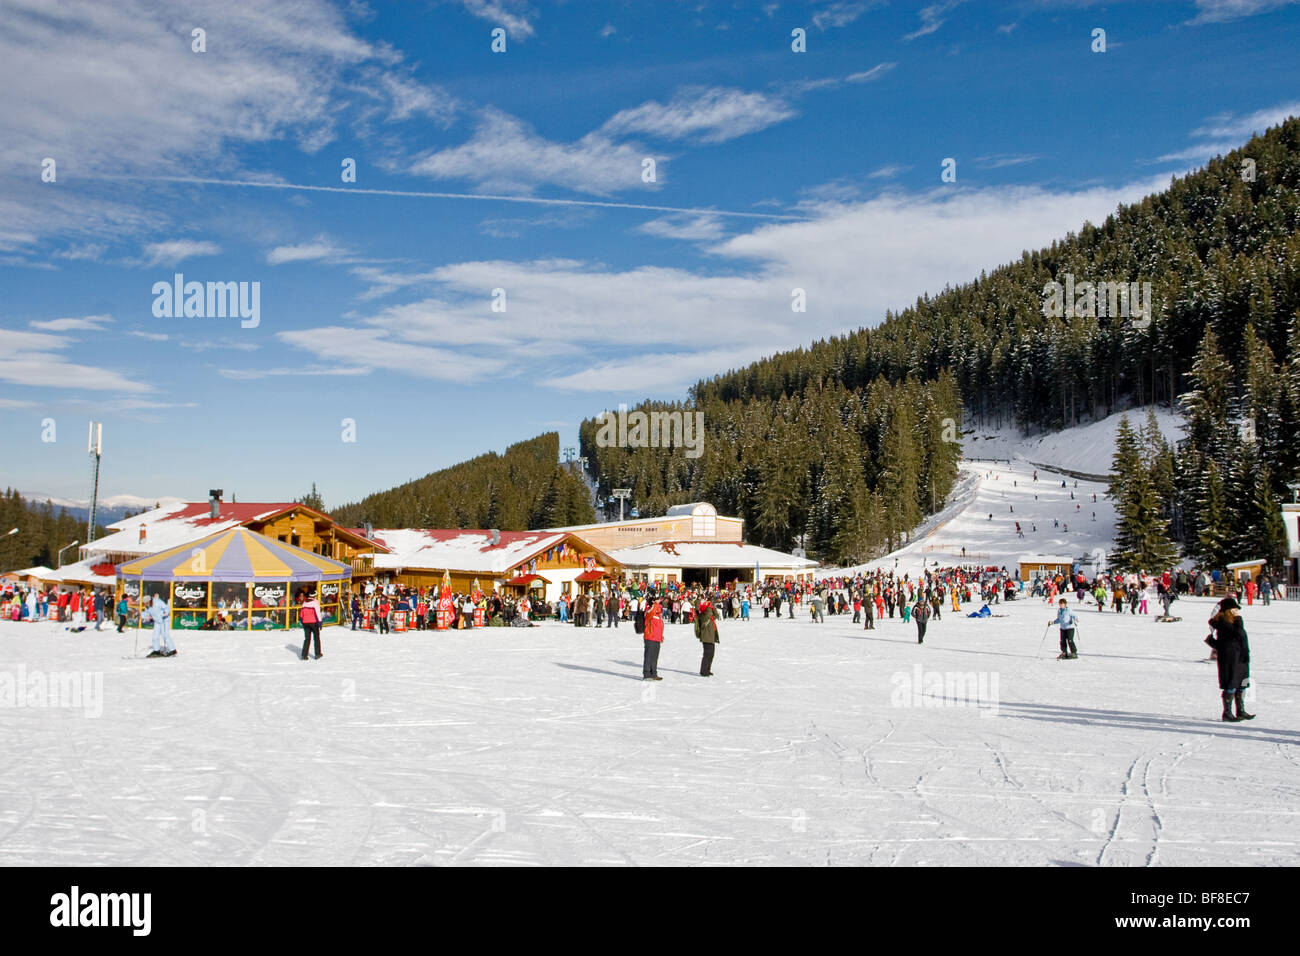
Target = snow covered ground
(814,744)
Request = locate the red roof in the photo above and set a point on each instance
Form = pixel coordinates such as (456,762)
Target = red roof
(590,576)
(107,569)
(524,579)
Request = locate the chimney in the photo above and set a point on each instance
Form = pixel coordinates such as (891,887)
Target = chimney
(370,531)
(496,536)
(142,534)
(214,503)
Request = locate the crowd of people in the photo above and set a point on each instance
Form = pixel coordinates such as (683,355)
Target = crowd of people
(76,606)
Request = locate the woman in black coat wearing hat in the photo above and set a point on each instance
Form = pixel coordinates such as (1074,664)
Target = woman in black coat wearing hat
(1233,652)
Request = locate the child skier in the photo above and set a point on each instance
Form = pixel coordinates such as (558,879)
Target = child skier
(1067,622)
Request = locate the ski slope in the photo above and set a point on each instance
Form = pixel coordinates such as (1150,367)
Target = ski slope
(543,746)
(1053,523)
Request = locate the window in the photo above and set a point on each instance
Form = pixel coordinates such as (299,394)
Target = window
(704,522)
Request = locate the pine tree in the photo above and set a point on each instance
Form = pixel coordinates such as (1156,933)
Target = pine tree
(1211,545)
(313,499)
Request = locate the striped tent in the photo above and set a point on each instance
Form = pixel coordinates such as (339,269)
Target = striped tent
(235,579)
(235,555)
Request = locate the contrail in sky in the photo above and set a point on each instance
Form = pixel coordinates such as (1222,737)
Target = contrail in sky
(415,194)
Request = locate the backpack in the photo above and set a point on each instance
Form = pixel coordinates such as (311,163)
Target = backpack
(638,622)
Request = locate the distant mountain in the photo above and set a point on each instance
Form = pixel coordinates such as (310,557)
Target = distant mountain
(110,509)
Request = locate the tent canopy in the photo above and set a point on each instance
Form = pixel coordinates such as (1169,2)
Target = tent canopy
(524,580)
(235,555)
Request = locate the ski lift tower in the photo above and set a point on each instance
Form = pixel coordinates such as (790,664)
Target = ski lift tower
(570,453)
(94,445)
(622,494)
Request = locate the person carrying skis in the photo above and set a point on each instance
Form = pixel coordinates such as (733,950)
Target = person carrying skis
(1067,622)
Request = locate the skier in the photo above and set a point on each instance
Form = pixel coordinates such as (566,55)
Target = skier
(817,608)
(706,629)
(162,639)
(921,614)
(1067,622)
(1233,658)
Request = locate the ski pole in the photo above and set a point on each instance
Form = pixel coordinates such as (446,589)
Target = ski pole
(1041,642)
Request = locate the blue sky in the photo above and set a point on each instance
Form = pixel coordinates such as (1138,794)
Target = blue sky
(817,170)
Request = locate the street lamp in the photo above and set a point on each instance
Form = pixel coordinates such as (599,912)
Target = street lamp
(59,561)
(8,533)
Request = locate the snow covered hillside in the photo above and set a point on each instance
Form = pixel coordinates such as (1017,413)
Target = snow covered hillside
(814,744)
(1054,520)
(1086,448)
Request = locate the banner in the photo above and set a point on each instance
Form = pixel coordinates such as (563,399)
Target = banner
(190,594)
(270,595)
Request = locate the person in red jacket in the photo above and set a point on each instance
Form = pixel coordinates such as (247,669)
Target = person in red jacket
(654,639)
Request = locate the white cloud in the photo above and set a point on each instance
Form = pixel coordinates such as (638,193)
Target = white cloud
(933,17)
(710,115)
(151,336)
(175,251)
(115,90)
(684,227)
(608,30)
(376,348)
(511,14)
(505,155)
(875,73)
(855,260)
(1002,160)
(841,14)
(319,248)
(1223,133)
(1222,11)
(33,358)
(86,323)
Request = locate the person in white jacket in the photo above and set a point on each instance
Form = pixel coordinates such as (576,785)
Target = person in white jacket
(161,616)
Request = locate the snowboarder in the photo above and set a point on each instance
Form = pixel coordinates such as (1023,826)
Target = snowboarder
(1233,658)
(706,629)
(1067,622)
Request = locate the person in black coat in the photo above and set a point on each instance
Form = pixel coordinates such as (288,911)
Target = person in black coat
(1233,657)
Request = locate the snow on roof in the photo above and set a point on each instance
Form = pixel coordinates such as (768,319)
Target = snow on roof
(672,513)
(679,510)
(706,554)
(80,573)
(35,572)
(1045,559)
(458,549)
(181,523)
